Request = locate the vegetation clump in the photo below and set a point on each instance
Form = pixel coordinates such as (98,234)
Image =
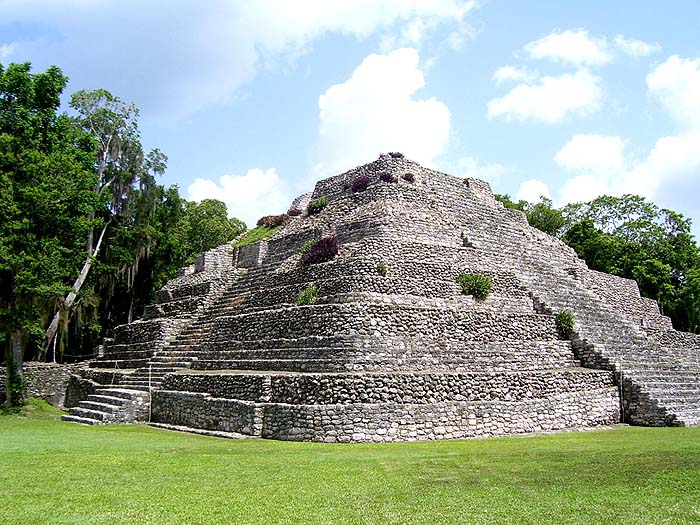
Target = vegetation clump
(321,251)
(382,268)
(387,177)
(294,212)
(256,234)
(475,284)
(408,177)
(272,221)
(360,183)
(396,155)
(304,247)
(316,206)
(565,323)
(308,295)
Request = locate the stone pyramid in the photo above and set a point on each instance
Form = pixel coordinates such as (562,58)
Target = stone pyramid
(392,349)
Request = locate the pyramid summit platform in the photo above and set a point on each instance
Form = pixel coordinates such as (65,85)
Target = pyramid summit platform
(392,350)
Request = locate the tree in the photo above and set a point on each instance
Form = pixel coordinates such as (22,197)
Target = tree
(542,215)
(206,225)
(45,193)
(124,185)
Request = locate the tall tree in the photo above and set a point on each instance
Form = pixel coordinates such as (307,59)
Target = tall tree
(45,194)
(124,186)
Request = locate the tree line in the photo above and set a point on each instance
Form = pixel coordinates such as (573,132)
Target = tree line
(630,237)
(87,232)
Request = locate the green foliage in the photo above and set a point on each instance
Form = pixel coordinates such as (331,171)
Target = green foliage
(475,284)
(565,323)
(256,234)
(308,295)
(317,205)
(631,237)
(16,386)
(382,268)
(541,215)
(304,247)
(206,226)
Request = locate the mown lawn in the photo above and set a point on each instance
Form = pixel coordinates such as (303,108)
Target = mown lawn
(53,472)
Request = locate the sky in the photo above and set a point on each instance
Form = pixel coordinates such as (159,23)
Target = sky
(254,101)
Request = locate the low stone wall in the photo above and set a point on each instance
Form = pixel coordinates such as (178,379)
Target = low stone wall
(47,381)
(388,422)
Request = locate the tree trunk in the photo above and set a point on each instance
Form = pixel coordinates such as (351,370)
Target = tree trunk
(14,383)
(70,298)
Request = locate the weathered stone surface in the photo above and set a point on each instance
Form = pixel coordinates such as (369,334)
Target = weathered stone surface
(397,354)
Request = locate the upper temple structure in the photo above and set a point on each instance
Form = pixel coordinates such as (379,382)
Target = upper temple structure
(388,346)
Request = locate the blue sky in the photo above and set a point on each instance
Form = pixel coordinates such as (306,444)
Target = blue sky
(254,101)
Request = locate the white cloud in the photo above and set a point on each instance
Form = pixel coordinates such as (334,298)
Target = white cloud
(676,83)
(598,153)
(247,197)
(514,74)
(375,111)
(6,50)
(636,48)
(192,56)
(532,190)
(471,167)
(600,160)
(551,100)
(573,46)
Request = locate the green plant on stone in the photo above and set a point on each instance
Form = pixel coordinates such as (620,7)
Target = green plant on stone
(475,284)
(382,268)
(316,206)
(308,295)
(565,323)
(304,247)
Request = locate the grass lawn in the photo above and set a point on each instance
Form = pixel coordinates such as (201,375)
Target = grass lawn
(53,472)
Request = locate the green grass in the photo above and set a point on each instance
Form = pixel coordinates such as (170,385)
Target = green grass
(55,472)
(254,235)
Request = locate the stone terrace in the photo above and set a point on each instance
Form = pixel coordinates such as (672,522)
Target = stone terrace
(402,355)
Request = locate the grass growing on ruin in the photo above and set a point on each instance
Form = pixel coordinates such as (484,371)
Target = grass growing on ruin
(257,233)
(55,472)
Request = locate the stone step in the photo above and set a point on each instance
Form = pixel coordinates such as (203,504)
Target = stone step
(201,431)
(109,400)
(79,419)
(89,413)
(100,407)
(122,392)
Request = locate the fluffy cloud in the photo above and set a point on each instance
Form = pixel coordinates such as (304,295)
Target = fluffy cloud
(532,190)
(573,46)
(598,153)
(635,48)
(600,161)
(514,74)
(375,111)
(551,99)
(576,47)
(248,197)
(192,56)
(471,167)
(676,84)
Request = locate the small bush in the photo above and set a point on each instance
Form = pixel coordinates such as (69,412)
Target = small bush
(321,251)
(475,284)
(360,183)
(316,206)
(308,295)
(565,323)
(395,155)
(382,268)
(387,177)
(294,212)
(410,177)
(304,247)
(347,185)
(272,221)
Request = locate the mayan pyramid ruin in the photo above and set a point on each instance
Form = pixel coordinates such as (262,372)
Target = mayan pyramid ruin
(392,350)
